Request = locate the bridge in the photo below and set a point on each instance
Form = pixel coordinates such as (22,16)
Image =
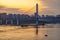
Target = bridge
(36,23)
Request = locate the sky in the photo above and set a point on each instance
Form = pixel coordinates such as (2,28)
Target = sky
(46,7)
(54,6)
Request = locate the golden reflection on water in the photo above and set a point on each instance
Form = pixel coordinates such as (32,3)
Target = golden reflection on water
(18,33)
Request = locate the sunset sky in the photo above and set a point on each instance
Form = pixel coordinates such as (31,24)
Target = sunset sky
(22,6)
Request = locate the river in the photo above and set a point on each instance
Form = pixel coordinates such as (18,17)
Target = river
(17,33)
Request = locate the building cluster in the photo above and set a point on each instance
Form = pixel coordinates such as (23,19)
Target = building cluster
(18,19)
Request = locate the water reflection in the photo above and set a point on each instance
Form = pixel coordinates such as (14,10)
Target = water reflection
(36,37)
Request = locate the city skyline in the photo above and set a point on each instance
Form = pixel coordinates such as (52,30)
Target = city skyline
(19,19)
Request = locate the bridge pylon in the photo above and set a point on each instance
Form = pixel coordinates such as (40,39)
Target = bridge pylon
(36,17)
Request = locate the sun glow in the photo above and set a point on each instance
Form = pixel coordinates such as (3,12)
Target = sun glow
(21,4)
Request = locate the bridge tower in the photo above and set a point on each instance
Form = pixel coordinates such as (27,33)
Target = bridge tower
(36,16)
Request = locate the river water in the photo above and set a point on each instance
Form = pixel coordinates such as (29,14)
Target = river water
(17,33)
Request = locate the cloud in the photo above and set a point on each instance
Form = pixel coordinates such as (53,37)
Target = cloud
(9,10)
(2,7)
(12,9)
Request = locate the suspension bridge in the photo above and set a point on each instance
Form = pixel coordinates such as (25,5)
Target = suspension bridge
(36,19)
